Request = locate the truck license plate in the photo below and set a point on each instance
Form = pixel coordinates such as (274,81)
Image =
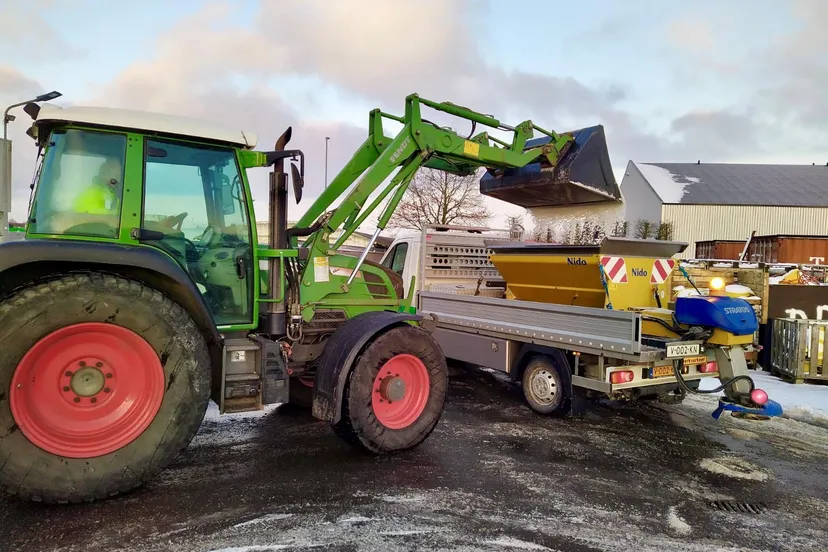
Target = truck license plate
(676,350)
(662,371)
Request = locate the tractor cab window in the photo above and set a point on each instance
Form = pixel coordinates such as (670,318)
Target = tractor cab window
(194,196)
(81,184)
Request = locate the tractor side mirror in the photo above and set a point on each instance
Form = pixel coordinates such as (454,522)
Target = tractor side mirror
(228,203)
(298,182)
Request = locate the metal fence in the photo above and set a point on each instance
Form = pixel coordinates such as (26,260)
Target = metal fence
(798,349)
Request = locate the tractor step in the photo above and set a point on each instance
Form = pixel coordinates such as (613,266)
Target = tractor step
(254,374)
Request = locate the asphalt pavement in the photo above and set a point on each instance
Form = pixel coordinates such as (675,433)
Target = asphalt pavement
(493,476)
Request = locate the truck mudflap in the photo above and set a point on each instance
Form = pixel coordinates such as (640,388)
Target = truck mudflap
(340,353)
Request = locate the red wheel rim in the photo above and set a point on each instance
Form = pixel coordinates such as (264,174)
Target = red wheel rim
(400,391)
(87,390)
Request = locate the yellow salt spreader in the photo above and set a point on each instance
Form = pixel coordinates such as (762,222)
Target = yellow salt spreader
(580,321)
(707,334)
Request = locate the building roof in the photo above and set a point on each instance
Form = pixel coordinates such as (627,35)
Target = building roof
(148,121)
(738,184)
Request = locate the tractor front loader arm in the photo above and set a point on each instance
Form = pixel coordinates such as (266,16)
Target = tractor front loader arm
(420,143)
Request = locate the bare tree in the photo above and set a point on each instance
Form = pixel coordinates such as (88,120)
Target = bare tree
(665,231)
(515,225)
(621,229)
(644,229)
(437,197)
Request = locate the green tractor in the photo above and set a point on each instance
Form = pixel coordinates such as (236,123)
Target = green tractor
(140,293)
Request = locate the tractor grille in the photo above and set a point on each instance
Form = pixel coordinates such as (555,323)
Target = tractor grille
(325,321)
(374,284)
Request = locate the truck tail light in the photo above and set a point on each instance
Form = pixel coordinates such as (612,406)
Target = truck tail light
(709,368)
(624,376)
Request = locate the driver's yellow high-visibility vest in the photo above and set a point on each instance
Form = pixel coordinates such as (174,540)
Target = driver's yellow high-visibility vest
(93,200)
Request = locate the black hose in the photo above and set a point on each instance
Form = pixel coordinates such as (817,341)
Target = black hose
(722,387)
(663,323)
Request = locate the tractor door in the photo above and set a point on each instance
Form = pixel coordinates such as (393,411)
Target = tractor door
(194,195)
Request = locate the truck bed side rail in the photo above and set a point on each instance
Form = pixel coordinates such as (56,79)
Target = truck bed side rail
(584,329)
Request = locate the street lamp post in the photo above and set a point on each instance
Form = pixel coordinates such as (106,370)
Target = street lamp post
(6,168)
(9,118)
(327,138)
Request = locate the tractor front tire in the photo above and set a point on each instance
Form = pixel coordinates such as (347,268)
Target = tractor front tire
(395,393)
(103,381)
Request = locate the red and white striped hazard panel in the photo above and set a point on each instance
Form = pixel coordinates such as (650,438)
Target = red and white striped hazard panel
(615,268)
(661,269)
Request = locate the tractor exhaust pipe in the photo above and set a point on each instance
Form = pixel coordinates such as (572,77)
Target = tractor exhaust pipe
(278,203)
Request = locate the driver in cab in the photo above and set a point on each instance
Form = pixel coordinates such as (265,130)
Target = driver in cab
(102,196)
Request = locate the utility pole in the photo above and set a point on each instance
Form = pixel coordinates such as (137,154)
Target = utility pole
(326,160)
(6,160)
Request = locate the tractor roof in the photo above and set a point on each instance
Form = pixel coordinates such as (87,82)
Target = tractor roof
(147,121)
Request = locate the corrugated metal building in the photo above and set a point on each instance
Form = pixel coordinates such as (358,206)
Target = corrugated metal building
(728,201)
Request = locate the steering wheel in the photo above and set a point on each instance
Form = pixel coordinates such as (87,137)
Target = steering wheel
(207,236)
(174,222)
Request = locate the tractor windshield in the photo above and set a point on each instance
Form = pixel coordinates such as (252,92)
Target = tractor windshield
(80,185)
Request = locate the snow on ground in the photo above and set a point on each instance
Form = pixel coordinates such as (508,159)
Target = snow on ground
(665,183)
(804,402)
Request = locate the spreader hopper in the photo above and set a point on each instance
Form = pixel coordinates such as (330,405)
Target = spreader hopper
(620,272)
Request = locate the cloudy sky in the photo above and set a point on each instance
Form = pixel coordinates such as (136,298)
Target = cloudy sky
(671,81)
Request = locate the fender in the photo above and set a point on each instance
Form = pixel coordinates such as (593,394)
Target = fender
(28,260)
(341,351)
(529,350)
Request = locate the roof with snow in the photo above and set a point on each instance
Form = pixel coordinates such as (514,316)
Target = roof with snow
(738,184)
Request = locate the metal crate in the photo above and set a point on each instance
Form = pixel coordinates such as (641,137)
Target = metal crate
(798,349)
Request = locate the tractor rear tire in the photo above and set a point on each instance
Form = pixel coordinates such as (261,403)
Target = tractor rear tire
(395,393)
(103,381)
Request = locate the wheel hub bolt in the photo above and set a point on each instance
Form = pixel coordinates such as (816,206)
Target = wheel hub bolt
(66,388)
(99,364)
(77,399)
(68,374)
(106,389)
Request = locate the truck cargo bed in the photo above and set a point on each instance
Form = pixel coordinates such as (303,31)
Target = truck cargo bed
(611,333)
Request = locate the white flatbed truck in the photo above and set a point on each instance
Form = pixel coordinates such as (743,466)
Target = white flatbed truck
(555,351)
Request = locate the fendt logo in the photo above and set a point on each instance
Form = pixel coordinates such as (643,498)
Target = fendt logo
(639,272)
(574,261)
(399,151)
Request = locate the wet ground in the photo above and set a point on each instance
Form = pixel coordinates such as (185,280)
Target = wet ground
(493,476)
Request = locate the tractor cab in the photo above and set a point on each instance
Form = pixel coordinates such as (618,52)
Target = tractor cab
(147,182)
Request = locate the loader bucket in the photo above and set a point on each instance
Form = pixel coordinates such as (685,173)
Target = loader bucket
(619,272)
(583,175)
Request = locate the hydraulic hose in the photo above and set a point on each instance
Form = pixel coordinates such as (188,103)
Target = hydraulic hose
(722,387)
(663,323)
(702,335)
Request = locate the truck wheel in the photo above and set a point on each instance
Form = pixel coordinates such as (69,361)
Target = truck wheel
(103,381)
(546,386)
(395,392)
